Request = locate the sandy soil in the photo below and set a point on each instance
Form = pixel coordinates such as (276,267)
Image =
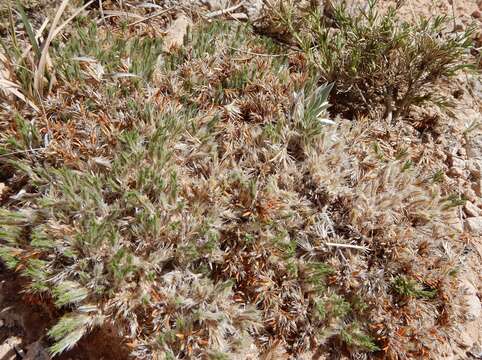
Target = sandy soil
(24,323)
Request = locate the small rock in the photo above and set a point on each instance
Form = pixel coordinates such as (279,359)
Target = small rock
(474,225)
(474,146)
(457,227)
(36,351)
(7,349)
(175,33)
(465,338)
(477,186)
(253,9)
(474,308)
(456,172)
(470,195)
(462,152)
(476,14)
(457,162)
(471,210)
(475,167)
(459,26)
(476,351)
(216,4)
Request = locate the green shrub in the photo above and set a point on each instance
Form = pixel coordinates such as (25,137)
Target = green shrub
(374,58)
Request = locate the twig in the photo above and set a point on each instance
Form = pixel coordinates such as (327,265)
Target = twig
(113,13)
(7,85)
(224,11)
(37,37)
(21,152)
(410,3)
(101,8)
(256,54)
(40,71)
(152,16)
(348,246)
(77,12)
(453,13)
(239,17)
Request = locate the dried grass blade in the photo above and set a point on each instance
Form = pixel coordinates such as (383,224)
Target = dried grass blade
(77,12)
(117,13)
(347,246)
(12,88)
(37,35)
(28,29)
(39,73)
(224,11)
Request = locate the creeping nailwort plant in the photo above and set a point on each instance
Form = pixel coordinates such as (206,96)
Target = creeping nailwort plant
(210,203)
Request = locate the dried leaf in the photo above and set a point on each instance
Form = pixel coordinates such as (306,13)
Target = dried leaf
(176,32)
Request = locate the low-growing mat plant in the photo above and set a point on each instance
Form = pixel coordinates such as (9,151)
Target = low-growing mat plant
(204,203)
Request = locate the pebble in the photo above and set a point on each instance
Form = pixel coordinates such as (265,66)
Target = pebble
(457,162)
(474,308)
(470,195)
(215,4)
(459,26)
(471,210)
(175,33)
(456,172)
(7,349)
(474,225)
(36,351)
(466,338)
(475,168)
(457,226)
(474,146)
(253,9)
(476,351)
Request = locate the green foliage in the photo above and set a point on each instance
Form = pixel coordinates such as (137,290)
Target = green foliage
(37,271)
(374,58)
(70,329)
(438,176)
(317,273)
(352,335)
(411,288)
(7,255)
(339,306)
(69,292)
(454,200)
(28,134)
(28,29)
(310,114)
